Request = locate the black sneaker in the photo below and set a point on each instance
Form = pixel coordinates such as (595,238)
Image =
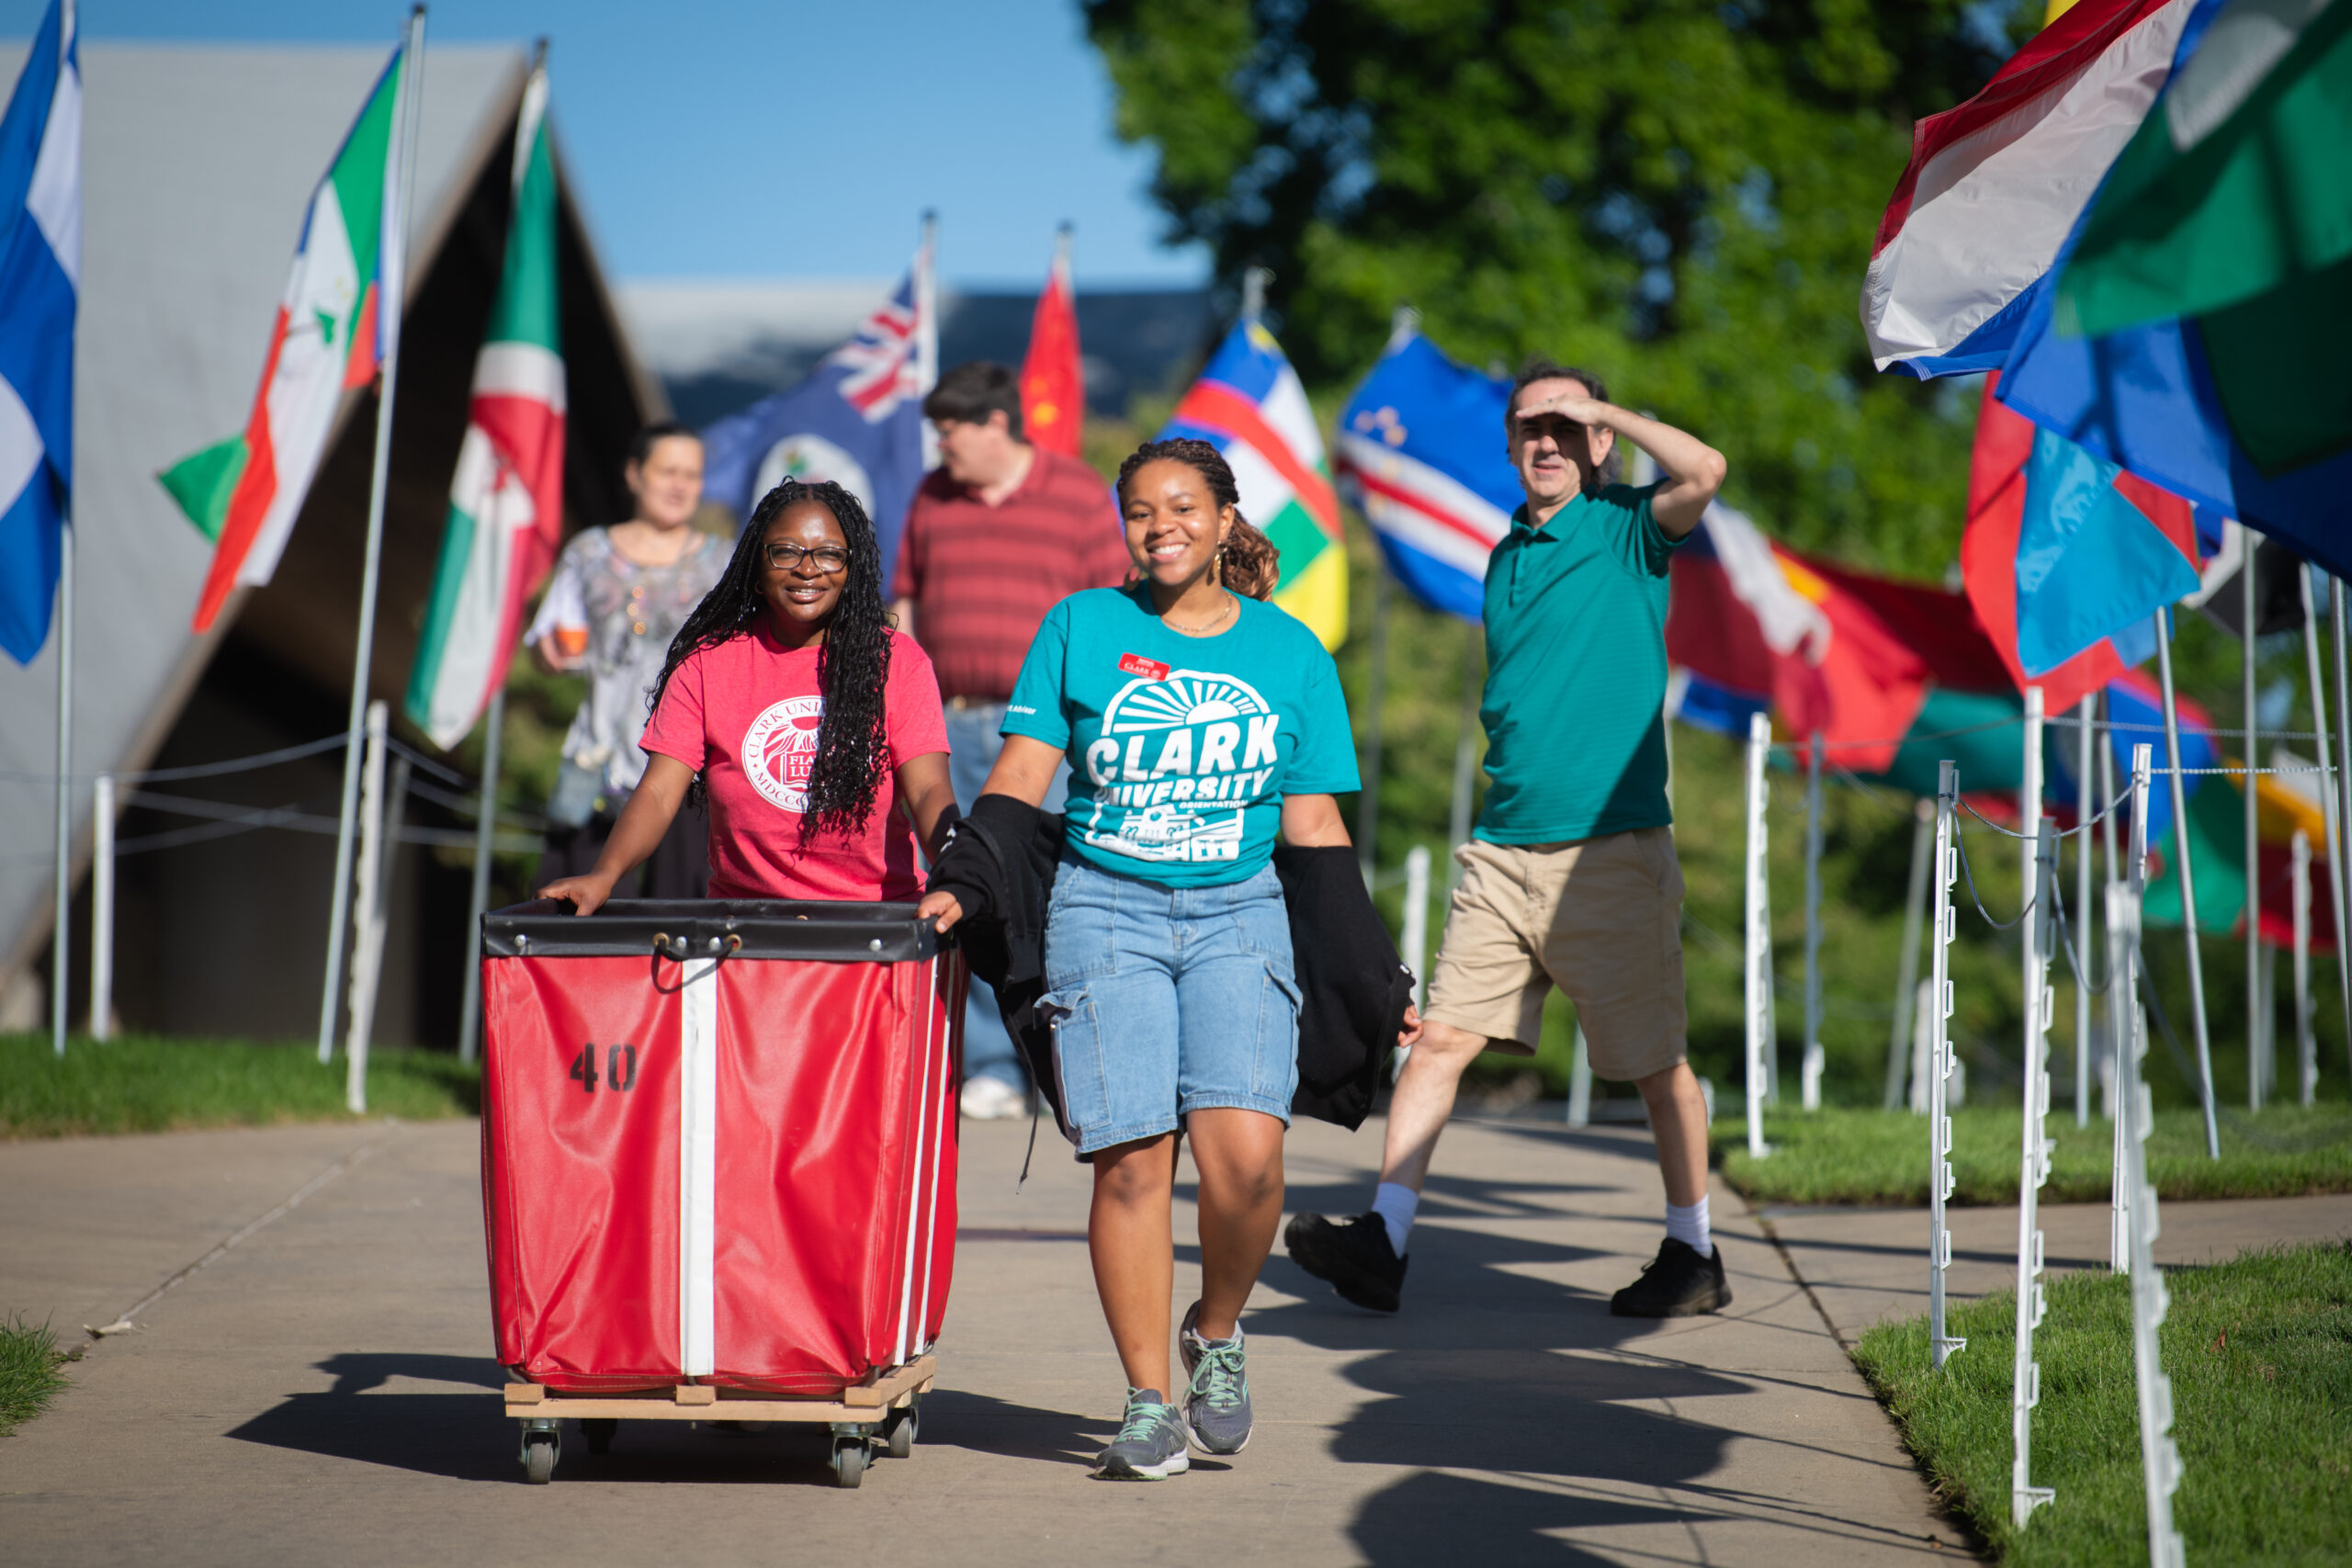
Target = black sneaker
(1677,1282)
(1355,1258)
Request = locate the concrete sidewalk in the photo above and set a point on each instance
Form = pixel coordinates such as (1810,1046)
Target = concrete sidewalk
(1868,1266)
(321,1391)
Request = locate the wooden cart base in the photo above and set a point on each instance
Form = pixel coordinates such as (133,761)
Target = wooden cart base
(886,1405)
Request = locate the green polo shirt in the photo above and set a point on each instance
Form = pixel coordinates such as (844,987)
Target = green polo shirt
(1575,672)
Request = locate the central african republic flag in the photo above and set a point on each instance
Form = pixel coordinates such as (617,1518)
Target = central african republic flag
(506,502)
(1249,405)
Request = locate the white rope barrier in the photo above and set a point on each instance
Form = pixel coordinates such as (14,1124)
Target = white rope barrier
(2135,1224)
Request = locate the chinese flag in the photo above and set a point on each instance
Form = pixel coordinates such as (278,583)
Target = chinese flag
(1052,388)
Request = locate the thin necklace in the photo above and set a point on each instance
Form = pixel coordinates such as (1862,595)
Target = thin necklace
(1209,624)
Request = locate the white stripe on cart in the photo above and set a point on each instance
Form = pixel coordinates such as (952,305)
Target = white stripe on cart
(942,1096)
(914,1188)
(698,1164)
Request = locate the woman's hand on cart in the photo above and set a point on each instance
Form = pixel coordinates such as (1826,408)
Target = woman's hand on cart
(587,894)
(942,908)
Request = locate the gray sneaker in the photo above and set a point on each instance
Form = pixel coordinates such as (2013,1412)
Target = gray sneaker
(1216,1398)
(1150,1446)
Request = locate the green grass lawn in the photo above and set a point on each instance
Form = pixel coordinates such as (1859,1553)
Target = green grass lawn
(30,1371)
(2259,1351)
(141,1084)
(1879,1156)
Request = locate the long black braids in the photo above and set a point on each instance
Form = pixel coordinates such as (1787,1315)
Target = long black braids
(853,665)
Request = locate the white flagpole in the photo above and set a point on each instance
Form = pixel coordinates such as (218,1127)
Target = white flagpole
(1465,763)
(392,274)
(102,908)
(927,328)
(2187,883)
(1368,803)
(2329,798)
(1906,970)
(2085,808)
(2249,602)
(1810,1063)
(485,830)
(1402,324)
(1758,966)
(2342,869)
(61,936)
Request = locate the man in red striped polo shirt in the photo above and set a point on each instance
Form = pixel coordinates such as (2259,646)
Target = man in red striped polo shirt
(999,533)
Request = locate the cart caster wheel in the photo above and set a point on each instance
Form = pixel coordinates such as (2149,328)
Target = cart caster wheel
(899,1431)
(850,1455)
(538,1457)
(599,1434)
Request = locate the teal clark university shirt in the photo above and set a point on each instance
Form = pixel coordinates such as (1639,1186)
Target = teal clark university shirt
(1575,672)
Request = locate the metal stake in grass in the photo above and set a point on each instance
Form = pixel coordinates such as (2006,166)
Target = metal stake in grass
(2131,1032)
(1759,938)
(2033,1157)
(2159,1455)
(1940,1061)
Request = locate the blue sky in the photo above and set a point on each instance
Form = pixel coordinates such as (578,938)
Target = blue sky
(741,139)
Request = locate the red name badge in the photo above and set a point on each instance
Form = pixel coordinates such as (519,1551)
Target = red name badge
(1136,664)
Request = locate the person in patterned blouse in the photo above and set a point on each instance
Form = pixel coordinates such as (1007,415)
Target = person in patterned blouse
(615,599)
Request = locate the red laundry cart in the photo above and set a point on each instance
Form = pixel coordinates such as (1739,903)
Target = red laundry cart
(718,1165)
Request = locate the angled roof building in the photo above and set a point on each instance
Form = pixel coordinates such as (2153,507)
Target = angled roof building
(198,161)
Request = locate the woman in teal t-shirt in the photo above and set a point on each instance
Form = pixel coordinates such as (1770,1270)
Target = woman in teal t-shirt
(1197,721)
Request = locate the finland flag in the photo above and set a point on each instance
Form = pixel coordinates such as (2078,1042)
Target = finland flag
(41,261)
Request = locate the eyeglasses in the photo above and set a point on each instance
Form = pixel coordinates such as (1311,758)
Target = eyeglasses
(830,558)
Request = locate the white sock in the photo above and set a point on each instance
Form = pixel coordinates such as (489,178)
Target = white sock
(1395,1203)
(1688,1226)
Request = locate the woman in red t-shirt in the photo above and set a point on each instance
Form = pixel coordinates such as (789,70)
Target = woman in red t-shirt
(808,724)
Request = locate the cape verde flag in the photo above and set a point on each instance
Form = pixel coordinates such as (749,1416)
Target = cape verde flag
(1421,455)
(856,420)
(1995,185)
(40,264)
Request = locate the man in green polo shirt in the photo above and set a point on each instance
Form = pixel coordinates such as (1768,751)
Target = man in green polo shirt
(1570,879)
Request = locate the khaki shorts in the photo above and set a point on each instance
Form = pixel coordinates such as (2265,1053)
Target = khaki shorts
(1600,919)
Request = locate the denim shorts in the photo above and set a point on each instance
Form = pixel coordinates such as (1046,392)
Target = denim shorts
(1168,1001)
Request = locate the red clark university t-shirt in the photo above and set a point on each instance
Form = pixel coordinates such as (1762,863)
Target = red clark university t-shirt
(744,715)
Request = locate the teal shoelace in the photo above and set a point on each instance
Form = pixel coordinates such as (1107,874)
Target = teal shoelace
(1220,1378)
(1144,1419)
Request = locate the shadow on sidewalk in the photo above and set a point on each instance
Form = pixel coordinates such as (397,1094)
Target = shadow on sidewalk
(469,1437)
(1524,1411)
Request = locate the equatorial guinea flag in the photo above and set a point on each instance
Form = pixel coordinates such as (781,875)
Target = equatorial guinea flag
(243,494)
(506,502)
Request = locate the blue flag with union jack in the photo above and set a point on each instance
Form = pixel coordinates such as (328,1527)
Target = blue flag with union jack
(857,420)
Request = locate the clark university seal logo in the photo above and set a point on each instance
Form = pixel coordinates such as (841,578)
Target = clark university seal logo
(779,749)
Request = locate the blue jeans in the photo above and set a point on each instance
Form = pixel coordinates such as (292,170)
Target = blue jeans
(973,743)
(1168,1001)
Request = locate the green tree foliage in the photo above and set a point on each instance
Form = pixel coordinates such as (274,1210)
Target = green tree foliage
(1679,193)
